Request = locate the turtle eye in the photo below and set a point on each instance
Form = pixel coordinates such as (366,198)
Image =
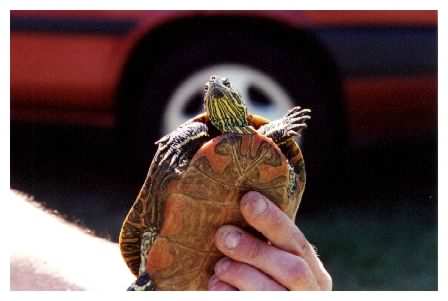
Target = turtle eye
(226,83)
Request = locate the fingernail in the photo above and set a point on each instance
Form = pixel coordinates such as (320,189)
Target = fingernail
(213,279)
(212,282)
(258,205)
(222,266)
(231,239)
(255,202)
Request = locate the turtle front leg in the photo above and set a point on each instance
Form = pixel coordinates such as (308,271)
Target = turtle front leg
(292,124)
(180,143)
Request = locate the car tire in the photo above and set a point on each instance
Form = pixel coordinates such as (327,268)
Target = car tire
(310,81)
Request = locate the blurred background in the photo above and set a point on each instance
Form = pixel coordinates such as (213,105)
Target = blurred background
(92,90)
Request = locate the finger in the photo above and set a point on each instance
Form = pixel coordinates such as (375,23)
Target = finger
(276,226)
(273,223)
(245,277)
(322,276)
(214,284)
(287,269)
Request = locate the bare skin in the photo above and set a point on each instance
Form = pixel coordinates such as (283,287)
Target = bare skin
(49,253)
(288,262)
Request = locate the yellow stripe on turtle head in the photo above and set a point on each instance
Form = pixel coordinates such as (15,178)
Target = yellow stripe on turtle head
(226,109)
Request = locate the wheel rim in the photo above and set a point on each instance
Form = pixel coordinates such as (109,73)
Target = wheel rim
(262,94)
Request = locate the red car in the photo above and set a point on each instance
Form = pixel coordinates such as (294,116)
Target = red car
(367,75)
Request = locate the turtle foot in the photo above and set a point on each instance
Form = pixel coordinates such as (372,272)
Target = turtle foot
(143,283)
(295,121)
(291,125)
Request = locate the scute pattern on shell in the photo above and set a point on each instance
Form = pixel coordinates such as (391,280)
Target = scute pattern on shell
(207,196)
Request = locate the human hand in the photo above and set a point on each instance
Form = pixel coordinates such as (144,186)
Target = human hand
(288,262)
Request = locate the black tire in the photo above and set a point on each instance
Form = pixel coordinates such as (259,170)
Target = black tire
(310,79)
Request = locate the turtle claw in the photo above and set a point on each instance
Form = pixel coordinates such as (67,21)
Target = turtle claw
(163,148)
(173,161)
(298,119)
(298,126)
(292,133)
(297,112)
(297,108)
(304,111)
(143,283)
(166,157)
(295,129)
(294,121)
(163,139)
(171,158)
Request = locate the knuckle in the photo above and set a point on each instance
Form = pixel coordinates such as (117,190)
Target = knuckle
(270,216)
(303,246)
(326,282)
(212,282)
(234,269)
(252,249)
(308,248)
(222,267)
(274,216)
(298,272)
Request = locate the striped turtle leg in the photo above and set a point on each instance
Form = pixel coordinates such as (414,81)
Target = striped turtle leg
(174,146)
(144,282)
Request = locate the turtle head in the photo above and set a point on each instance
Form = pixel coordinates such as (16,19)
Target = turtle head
(224,106)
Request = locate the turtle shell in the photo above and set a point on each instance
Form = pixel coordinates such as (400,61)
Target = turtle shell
(206,196)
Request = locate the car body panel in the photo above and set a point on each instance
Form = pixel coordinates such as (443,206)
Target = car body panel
(381,113)
(66,66)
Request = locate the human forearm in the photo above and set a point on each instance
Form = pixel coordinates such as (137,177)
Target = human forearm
(49,253)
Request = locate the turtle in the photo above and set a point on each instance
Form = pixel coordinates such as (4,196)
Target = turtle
(195,181)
